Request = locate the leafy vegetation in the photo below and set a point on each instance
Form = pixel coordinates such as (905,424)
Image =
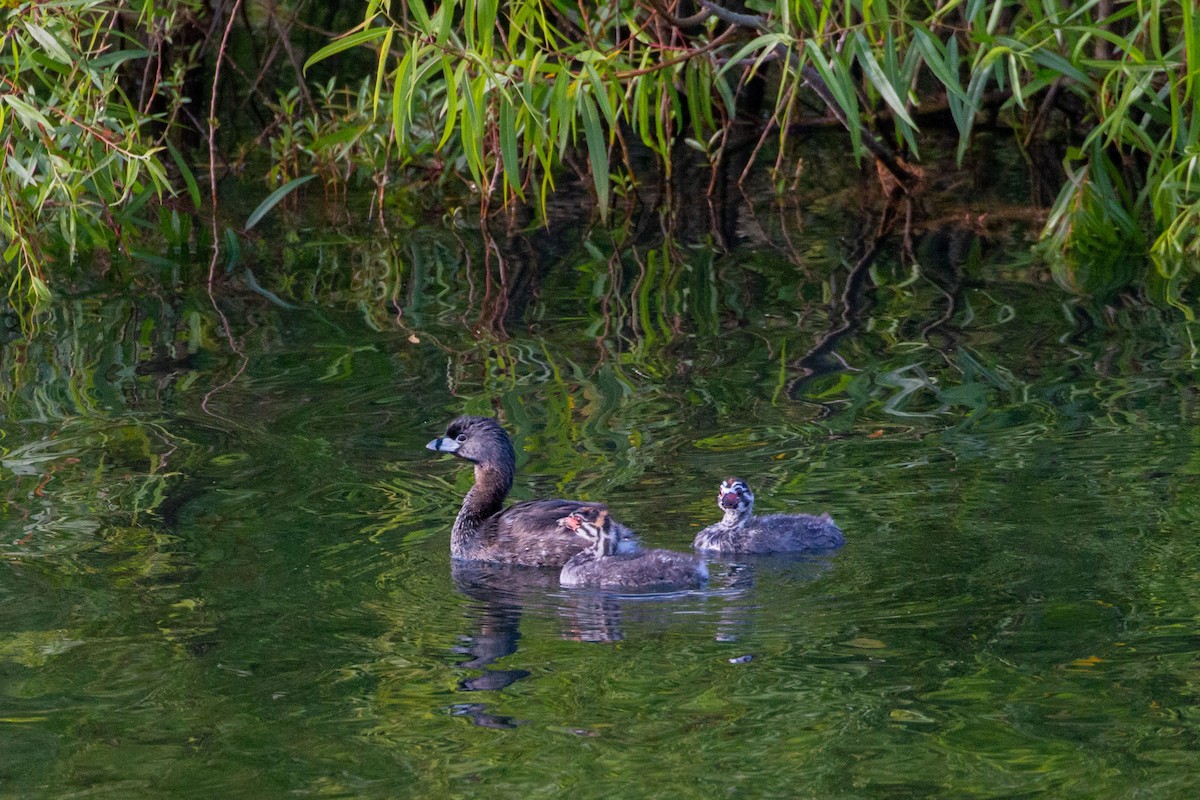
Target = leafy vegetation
(81,158)
(101,110)
(516,90)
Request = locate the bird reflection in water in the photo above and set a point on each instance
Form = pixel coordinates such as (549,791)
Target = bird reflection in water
(501,595)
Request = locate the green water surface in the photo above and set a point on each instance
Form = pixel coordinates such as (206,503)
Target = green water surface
(224,547)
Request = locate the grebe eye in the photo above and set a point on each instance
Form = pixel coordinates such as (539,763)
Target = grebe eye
(462,437)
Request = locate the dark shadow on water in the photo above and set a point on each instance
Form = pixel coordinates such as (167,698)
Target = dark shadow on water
(499,595)
(479,715)
(497,635)
(822,358)
(502,595)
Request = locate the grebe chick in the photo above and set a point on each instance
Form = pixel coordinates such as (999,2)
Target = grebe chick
(602,566)
(742,532)
(528,533)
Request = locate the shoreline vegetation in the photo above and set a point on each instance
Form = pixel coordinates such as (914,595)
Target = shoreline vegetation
(121,121)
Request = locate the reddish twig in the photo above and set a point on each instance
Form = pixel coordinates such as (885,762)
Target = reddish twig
(212,140)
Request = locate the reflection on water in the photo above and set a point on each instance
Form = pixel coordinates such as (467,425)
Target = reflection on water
(501,595)
(225,562)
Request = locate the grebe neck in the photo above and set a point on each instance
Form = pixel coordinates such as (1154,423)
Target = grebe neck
(735,517)
(485,499)
(605,544)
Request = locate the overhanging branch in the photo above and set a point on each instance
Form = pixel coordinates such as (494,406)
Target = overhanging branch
(813,80)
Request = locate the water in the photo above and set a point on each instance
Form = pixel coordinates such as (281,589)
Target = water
(224,546)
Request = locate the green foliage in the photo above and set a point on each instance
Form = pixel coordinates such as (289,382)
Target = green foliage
(512,95)
(81,155)
(338,137)
(511,91)
(98,98)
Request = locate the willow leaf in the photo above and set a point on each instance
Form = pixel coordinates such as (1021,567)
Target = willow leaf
(600,93)
(880,81)
(345,43)
(50,44)
(838,82)
(597,150)
(273,200)
(509,159)
(417,9)
(452,81)
(380,69)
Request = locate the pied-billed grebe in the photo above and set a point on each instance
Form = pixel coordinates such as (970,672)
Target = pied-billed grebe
(602,566)
(526,533)
(742,532)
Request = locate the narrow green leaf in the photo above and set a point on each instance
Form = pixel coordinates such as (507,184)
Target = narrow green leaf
(402,91)
(879,81)
(1058,64)
(975,88)
(1120,43)
(727,99)
(692,91)
(764,45)
(189,179)
(27,113)
(39,291)
(991,55)
(938,60)
(597,150)
(452,80)
(472,130)
(380,69)
(50,44)
(24,174)
(273,199)
(345,43)
(105,60)
(838,81)
(417,7)
(600,94)
(399,111)
(509,159)
(445,16)
(486,10)
(1015,78)
(561,110)
(994,18)
(1082,10)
